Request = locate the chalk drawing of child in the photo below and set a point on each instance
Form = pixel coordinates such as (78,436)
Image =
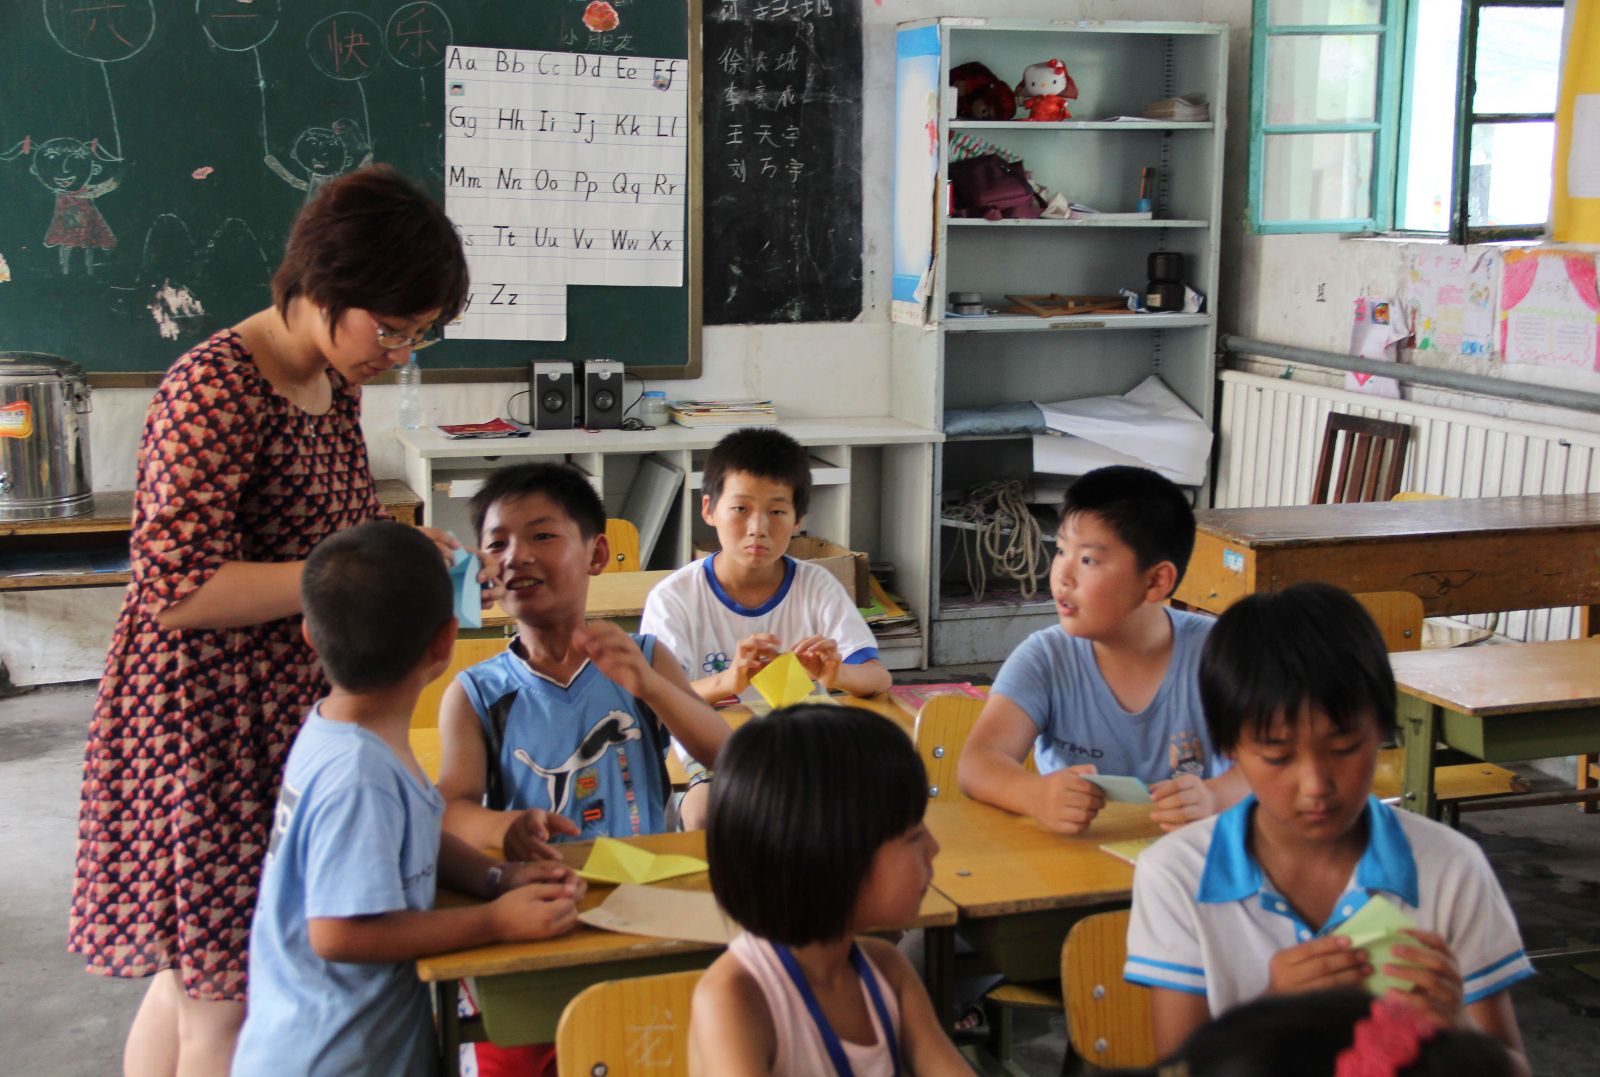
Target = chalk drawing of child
(73,170)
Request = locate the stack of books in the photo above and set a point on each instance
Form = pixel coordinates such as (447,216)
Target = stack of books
(1177,108)
(723,413)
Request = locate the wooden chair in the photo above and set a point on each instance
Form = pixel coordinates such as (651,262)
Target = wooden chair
(622,1028)
(1399,618)
(468,652)
(1371,464)
(1108,1018)
(943,724)
(623,538)
(941,731)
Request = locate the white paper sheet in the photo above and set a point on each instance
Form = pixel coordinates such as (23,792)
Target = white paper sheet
(562,168)
(1148,426)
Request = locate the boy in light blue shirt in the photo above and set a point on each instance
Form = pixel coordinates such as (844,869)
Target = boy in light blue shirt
(346,901)
(1113,688)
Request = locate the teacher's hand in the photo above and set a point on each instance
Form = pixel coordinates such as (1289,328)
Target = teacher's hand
(493,590)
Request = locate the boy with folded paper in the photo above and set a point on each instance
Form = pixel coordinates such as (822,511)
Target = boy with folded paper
(563,734)
(1311,882)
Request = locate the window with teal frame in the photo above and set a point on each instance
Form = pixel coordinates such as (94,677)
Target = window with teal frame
(1424,117)
(1324,100)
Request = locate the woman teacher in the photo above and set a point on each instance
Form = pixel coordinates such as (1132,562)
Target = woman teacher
(252,453)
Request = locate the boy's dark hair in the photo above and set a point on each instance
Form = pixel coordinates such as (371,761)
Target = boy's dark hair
(802,801)
(372,239)
(374,598)
(765,453)
(1272,654)
(561,483)
(1145,510)
(1302,1035)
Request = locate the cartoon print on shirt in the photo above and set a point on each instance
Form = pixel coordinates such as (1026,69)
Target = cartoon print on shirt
(716,662)
(617,727)
(1186,754)
(288,800)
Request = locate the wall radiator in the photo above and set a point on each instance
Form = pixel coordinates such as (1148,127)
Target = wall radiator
(1270,431)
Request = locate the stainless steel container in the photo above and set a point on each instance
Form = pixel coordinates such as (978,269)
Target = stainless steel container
(44,438)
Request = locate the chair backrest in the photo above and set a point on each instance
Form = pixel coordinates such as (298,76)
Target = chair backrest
(1399,618)
(623,538)
(625,1027)
(941,732)
(1372,460)
(468,652)
(1108,1018)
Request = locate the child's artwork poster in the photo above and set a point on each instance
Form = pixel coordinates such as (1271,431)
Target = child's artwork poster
(1548,309)
(1379,329)
(916,169)
(1450,294)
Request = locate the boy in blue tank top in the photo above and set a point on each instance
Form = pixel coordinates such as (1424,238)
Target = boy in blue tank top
(1114,688)
(346,901)
(563,734)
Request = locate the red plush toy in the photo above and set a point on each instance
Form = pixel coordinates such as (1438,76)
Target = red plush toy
(1045,90)
(980,95)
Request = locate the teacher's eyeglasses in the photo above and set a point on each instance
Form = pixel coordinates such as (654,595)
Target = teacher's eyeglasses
(390,339)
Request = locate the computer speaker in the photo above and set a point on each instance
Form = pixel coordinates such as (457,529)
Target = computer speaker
(602,394)
(552,396)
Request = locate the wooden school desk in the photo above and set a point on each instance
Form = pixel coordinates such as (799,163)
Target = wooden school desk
(1472,555)
(1505,703)
(522,988)
(1019,887)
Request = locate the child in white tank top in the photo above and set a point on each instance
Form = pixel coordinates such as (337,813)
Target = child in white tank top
(815,834)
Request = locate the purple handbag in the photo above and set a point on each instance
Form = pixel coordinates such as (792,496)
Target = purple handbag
(989,186)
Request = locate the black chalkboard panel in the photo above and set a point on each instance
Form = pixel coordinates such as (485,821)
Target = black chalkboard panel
(782,198)
(153,154)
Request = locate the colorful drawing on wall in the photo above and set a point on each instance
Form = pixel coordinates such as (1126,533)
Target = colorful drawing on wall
(1450,296)
(1548,309)
(1379,329)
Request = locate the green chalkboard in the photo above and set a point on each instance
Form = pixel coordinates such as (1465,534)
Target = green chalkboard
(154,152)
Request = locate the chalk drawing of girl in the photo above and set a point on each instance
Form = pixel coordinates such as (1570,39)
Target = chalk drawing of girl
(72,169)
(323,153)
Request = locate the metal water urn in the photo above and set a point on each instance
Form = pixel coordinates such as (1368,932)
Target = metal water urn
(44,437)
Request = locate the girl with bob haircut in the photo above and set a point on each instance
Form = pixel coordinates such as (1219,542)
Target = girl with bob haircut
(814,835)
(252,453)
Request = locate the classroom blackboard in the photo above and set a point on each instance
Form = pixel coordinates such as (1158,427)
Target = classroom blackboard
(154,152)
(782,202)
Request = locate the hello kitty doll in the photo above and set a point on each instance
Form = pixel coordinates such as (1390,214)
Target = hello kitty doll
(1045,90)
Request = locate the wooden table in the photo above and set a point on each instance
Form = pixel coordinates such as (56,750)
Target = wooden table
(1019,887)
(1472,555)
(522,988)
(106,529)
(613,596)
(1501,704)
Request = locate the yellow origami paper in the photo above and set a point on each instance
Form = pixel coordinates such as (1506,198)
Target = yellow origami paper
(784,682)
(612,861)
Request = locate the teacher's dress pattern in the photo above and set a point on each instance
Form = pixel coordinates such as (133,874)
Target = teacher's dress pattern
(191,727)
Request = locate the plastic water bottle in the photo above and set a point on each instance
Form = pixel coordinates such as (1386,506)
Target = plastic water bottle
(410,379)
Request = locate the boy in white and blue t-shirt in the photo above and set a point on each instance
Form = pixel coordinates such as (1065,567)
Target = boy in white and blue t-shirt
(564,733)
(1111,689)
(727,616)
(346,901)
(1298,692)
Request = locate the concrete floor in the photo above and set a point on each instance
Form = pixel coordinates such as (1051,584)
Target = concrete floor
(59,1021)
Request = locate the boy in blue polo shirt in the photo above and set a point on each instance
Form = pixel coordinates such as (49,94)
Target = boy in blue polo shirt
(1298,692)
(346,901)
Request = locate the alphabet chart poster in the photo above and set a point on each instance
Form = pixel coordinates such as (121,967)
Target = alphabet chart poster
(1548,304)
(562,168)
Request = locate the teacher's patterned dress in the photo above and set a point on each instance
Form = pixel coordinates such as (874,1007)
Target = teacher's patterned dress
(191,727)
